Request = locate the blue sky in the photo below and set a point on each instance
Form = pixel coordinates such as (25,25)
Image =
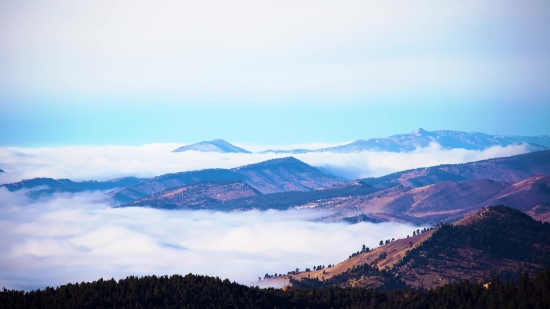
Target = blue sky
(269,72)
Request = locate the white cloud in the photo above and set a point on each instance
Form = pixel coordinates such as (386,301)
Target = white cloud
(73,239)
(108,162)
(374,164)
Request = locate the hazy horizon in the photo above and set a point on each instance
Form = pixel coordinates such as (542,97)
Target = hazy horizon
(282,72)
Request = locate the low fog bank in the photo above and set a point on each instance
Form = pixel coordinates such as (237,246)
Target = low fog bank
(71,238)
(108,162)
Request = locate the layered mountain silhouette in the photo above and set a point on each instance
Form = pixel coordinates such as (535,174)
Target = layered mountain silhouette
(508,169)
(217,145)
(440,193)
(496,240)
(276,175)
(42,187)
(418,196)
(200,195)
(422,138)
(447,139)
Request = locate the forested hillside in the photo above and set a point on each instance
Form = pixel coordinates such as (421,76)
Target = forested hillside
(497,240)
(192,291)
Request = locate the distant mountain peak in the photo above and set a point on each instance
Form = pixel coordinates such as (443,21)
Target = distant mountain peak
(1,171)
(217,145)
(420,132)
(276,161)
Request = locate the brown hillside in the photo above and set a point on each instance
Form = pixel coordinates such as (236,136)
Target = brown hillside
(444,201)
(198,195)
(524,195)
(395,251)
(508,169)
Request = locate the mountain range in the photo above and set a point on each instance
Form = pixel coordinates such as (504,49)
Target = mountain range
(43,187)
(447,139)
(509,169)
(276,175)
(418,196)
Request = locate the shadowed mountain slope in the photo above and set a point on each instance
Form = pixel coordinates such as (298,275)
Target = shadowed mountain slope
(508,169)
(217,145)
(202,195)
(40,187)
(277,175)
(168,181)
(285,174)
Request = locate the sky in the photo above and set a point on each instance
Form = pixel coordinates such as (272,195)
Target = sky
(269,72)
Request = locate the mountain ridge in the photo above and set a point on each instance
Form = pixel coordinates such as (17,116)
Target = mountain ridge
(217,145)
(42,187)
(508,169)
(447,139)
(275,175)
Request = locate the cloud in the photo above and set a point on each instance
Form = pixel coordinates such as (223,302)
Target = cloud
(71,238)
(108,162)
(374,164)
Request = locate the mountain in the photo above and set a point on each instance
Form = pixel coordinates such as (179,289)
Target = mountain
(432,203)
(422,138)
(276,175)
(1,171)
(202,195)
(443,201)
(227,196)
(169,181)
(285,174)
(524,195)
(508,169)
(497,240)
(217,145)
(41,187)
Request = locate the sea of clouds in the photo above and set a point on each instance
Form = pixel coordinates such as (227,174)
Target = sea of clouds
(108,162)
(73,238)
